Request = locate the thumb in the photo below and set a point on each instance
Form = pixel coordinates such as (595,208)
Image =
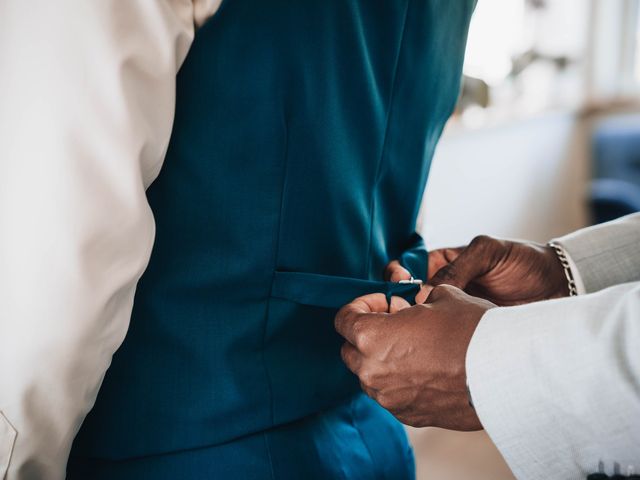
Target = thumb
(440,258)
(423,294)
(472,262)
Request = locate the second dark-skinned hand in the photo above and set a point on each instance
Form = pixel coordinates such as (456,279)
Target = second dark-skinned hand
(412,360)
(501,271)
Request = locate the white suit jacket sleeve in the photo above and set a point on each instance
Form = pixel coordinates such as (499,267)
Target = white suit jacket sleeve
(606,254)
(87,92)
(557,384)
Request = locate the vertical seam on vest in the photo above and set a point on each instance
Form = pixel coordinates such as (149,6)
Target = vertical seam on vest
(268,447)
(262,356)
(285,175)
(372,204)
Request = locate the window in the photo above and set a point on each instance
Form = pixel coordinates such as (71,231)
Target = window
(525,57)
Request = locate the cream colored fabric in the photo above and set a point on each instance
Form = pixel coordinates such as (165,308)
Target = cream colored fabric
(605,255)
(87,92)
(557,384)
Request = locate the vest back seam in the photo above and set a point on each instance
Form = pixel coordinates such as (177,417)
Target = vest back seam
(373,203)
(276,254)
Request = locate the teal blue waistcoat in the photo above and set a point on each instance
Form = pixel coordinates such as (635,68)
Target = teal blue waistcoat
(303,135)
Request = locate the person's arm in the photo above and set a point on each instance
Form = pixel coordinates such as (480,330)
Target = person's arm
(514,273)
(557,384)
(87,91)
(606,254)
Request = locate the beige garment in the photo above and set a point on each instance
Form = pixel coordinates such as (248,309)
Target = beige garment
(87,91)
(556,384)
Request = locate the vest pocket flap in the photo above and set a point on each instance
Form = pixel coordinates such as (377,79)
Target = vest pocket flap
(330,291)
(7,439)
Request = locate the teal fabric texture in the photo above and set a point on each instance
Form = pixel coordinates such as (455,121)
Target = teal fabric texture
(302,140)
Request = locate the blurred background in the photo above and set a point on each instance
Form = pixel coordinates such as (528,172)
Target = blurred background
(545,140)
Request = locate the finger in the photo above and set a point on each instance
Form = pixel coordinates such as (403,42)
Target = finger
(372,303)
(351,357)
(351,317)
(396,272)
(440,258)
(397,304)
(424,292)
(446,293)
(470,263)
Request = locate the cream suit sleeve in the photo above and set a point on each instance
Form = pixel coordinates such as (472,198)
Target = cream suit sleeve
(557,384)
(87,92)
(606,254)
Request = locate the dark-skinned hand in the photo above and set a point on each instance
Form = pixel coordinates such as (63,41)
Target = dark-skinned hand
(412,360)
(501,271)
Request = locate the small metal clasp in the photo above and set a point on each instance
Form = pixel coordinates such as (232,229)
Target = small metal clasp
(412,281)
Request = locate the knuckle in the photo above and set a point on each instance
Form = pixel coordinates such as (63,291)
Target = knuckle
(448,289)
(441,291)
(344,353)
(341,317)
(345,317)
(367,378)
(350,316)
(364,336)
(484,242)
(481,240)
(385,401)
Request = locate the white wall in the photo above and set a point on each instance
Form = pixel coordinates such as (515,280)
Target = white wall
(522,180)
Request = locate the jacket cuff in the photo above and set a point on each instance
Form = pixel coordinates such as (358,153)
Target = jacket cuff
(604,255)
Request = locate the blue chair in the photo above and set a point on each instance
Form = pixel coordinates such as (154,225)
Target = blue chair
(615,189)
